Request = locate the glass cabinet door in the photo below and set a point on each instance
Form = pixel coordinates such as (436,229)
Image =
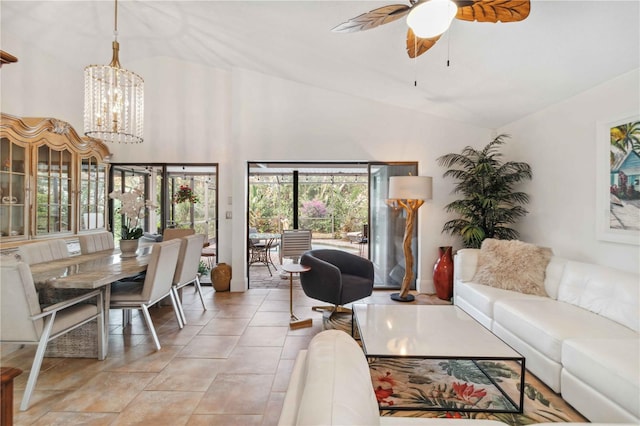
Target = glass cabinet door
(53,191)
(13,190)
(93,190)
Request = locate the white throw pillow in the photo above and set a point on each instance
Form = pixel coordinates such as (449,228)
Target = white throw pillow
(513,265)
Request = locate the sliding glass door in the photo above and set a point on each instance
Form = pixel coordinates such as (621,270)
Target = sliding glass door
(329,199)
(343,204)
(386,225)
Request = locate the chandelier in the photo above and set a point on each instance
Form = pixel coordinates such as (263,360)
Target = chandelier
(113,99)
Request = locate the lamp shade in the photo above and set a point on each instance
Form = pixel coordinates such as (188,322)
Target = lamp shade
(410,187)
(431,17)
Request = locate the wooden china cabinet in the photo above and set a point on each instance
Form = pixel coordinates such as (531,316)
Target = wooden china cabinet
(53,183)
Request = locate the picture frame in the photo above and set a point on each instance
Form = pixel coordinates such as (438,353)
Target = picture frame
(618,179)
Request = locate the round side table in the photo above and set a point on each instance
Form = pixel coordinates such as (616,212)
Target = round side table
(295,268)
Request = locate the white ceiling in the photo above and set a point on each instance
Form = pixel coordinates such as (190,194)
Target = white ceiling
(498,73)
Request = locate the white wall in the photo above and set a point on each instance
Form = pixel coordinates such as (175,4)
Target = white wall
(40,85)
(186,114)
(560,145)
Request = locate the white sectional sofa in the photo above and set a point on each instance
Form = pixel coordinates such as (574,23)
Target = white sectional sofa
(581,339)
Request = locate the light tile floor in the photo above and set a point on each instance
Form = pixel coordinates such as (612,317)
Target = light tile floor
(230,365)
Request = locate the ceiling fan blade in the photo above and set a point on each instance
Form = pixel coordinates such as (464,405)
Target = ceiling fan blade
(493,10)
(380,16)
(416,46)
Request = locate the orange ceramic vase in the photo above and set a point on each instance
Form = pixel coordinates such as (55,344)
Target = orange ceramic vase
(443,274)
(221,277)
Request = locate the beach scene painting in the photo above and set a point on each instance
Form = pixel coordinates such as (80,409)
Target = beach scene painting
(622,221)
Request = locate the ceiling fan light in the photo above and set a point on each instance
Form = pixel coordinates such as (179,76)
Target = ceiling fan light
(431,18)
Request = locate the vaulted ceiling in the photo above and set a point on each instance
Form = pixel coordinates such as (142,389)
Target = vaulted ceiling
(497,73)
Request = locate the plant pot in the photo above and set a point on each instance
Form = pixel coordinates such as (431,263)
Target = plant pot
(221,277)
(128,248)
(443,274)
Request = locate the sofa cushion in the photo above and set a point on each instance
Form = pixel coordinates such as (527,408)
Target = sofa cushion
(513,265)
(608,365)
(544,323)
(482,297)
(338,388)
(605,291)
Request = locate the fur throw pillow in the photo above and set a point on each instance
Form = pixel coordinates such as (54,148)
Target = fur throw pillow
(513,265)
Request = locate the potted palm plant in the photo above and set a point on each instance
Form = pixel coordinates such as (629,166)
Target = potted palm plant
(489,203)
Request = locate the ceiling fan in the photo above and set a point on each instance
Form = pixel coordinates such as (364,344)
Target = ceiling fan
(428,19)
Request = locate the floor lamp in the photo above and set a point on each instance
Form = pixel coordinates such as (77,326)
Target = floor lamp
(408,192)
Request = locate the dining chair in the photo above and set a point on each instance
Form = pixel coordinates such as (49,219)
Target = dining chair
(187,269)
(173,233)
(23,321)
(156,286)
(100,241)
(43,251)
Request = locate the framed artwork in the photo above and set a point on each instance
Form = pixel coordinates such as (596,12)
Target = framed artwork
(618,180)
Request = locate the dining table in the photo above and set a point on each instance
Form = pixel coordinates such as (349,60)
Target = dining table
(69,277)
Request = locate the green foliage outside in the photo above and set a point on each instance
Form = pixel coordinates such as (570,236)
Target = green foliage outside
(329,207)
(203,191)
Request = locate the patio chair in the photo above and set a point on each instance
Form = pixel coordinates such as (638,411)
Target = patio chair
(23,321)
(156,286)
(260,251)
(294,243)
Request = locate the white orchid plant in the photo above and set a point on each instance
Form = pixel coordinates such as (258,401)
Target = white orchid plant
(132,206)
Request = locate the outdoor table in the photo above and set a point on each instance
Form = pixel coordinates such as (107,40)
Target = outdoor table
(262,254)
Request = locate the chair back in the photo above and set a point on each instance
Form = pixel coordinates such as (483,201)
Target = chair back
(43,251)
(91,243)
(295,242)
(173,233)
(188,259)
(161,268)
(18,302)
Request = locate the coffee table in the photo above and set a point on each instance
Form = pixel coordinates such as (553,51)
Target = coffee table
(434,332)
